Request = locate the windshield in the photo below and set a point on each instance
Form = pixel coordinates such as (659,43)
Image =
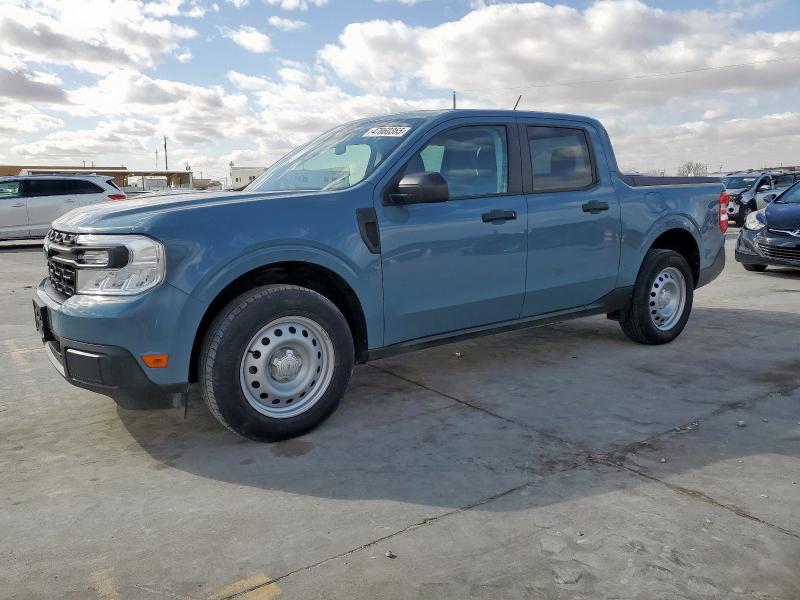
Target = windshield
(737,183)
(338,159)
(790,196)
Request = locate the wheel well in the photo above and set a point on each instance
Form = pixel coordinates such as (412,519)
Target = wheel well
(682,242)
(308,275)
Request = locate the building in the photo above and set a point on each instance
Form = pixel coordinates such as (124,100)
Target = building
(241,176)
(129,180)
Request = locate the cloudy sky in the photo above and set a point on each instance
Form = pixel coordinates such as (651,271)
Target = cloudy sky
(246,80)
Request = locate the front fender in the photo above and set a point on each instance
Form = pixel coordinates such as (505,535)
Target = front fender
(364,280)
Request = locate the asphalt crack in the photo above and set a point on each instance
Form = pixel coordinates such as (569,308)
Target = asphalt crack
(413,526)
(479,408)
(701,496)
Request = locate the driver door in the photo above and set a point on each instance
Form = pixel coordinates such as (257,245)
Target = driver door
(460,263)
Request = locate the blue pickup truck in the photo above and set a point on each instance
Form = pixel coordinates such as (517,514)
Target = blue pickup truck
(381,236)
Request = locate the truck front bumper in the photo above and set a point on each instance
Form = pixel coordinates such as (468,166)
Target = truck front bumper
(102,365)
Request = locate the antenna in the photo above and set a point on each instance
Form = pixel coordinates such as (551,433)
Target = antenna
(454,99)
(516,104)
(166,164)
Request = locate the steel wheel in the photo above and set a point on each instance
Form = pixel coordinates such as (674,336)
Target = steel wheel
(286,367)
(667,298)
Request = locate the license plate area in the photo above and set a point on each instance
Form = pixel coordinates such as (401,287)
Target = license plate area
(42,322)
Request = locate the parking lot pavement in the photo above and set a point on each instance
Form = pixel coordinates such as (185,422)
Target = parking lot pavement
(561,462)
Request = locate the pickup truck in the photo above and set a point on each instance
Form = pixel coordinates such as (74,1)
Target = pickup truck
(383,235)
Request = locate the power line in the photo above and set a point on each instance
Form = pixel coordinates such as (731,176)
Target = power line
(633,77)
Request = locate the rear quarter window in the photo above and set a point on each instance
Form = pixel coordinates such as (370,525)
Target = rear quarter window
(80,186)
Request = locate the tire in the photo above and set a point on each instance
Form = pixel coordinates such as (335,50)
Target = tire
(744,210)
(755,268)
(275,362)
(662,299)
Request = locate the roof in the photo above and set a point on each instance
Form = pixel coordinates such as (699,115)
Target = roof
(56,176)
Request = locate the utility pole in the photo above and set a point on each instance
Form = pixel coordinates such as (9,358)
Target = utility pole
(156,158)
(454,99)
(166,164)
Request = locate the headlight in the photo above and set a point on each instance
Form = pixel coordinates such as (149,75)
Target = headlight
(755,221)
(118,265)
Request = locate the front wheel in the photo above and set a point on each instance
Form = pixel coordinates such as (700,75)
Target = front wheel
(275,362)
(744,211)
(662,299)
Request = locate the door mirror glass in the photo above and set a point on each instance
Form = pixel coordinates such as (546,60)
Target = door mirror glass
(427,186)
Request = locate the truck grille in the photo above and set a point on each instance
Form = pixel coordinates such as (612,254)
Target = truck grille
(780,252)
(63,277)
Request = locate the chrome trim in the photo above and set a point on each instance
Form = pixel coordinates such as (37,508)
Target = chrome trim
(82,353)
(51,355)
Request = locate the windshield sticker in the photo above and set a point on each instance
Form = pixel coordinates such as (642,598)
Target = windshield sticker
(387,132)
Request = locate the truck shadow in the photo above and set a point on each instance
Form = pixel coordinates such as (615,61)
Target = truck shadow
(451,425)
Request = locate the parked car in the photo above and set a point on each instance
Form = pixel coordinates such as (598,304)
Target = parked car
(771,236)
(30,203)
(746,191)
(381,236)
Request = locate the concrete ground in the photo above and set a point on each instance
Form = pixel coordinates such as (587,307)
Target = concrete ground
(563,462)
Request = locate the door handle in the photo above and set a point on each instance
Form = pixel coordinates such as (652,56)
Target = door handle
(18,205)
(595,207)
(70,200)
(498,216)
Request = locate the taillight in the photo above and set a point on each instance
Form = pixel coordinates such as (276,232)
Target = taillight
(117,197)
(723,211)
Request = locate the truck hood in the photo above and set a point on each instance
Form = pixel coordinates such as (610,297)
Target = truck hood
(132,216)
(783,216)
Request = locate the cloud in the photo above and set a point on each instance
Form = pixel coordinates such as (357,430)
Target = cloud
(287,24)
(737,143)
(90,36)
(31,87)
(125,137)
(249,38)
(563,57)
(18,118)
(174,8)
(296,4)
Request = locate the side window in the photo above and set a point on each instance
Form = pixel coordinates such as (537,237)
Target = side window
(560,159)
(763,185)
(45,187)
(473,160)
(9,189)
(80,186)
(783,182)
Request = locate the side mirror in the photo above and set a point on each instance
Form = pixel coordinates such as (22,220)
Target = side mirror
(413,188)
(769,198)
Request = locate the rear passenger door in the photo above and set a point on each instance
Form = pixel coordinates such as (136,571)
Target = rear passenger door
(48,199)
(13,212)
(573,216)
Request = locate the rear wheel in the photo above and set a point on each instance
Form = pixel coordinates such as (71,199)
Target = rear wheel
(662,299)
(276,362)
(755,268)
